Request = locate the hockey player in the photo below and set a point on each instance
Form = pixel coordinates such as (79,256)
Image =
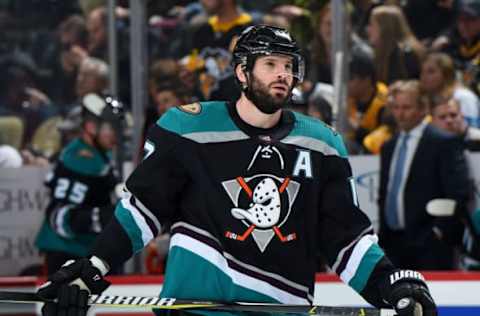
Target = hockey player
(251,192)
(81,185)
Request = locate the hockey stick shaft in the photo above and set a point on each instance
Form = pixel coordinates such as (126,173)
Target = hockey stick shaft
(172,303)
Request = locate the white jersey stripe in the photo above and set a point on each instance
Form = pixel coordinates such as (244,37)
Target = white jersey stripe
(240,263)
(312,144)
(195,229)
(60,221)
(269,274)
(147,234)
(357,255)
(214,257)
(342,252)
(216,136)
(144,209)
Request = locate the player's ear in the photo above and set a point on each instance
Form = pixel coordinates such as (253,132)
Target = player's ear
(240,73)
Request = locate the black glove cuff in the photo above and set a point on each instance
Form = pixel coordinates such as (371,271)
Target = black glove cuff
(93,279)
(402,283)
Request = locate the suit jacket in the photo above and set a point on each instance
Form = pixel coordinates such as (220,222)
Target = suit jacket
(438,170)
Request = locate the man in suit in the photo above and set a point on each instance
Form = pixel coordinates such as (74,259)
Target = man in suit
(419,164)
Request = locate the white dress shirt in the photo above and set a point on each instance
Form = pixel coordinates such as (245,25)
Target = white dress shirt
(412,144)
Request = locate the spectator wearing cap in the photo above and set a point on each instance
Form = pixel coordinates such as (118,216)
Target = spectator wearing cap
(366,98)
(462,41)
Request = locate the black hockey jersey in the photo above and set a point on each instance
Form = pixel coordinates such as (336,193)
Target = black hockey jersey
(82,179)
(249,208)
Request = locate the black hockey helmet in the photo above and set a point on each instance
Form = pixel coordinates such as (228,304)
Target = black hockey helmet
(103,108)
(260,40)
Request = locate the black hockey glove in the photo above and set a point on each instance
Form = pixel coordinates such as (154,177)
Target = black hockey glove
(71,285)
(408,293)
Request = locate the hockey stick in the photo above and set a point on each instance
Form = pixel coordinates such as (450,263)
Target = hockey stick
(172,303)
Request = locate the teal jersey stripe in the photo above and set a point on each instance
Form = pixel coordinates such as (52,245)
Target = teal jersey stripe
(370,259)
(48,240)
(134,232)
(213,117)
(309,127)
(205,280)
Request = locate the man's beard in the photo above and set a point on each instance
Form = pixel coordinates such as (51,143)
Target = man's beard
(260,96)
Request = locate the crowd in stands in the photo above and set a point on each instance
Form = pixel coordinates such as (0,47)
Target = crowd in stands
(53,54)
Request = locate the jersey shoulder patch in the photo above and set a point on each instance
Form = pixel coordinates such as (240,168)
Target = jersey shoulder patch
(192,108)
(197,118)
(316,135)
(84,159)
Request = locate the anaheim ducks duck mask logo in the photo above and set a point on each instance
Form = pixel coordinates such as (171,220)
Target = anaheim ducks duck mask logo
(263,203)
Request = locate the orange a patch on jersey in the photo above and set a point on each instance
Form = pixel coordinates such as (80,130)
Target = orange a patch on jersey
(192,108)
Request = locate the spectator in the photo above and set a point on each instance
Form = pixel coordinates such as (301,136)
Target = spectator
(63,57)
(81,183)
(164,95)
(446,115)
(97,44)
(440,14)
(316,106)
(397,51)
(462,42)
(20,96)
(212,42)
(321,47)
(320,108)
(360,16)
(366,98)
(438,79)
(92,77)
(374,141)
(418,164)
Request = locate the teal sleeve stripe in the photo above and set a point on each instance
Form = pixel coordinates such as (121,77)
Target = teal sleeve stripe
(373,255)
(128,223)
